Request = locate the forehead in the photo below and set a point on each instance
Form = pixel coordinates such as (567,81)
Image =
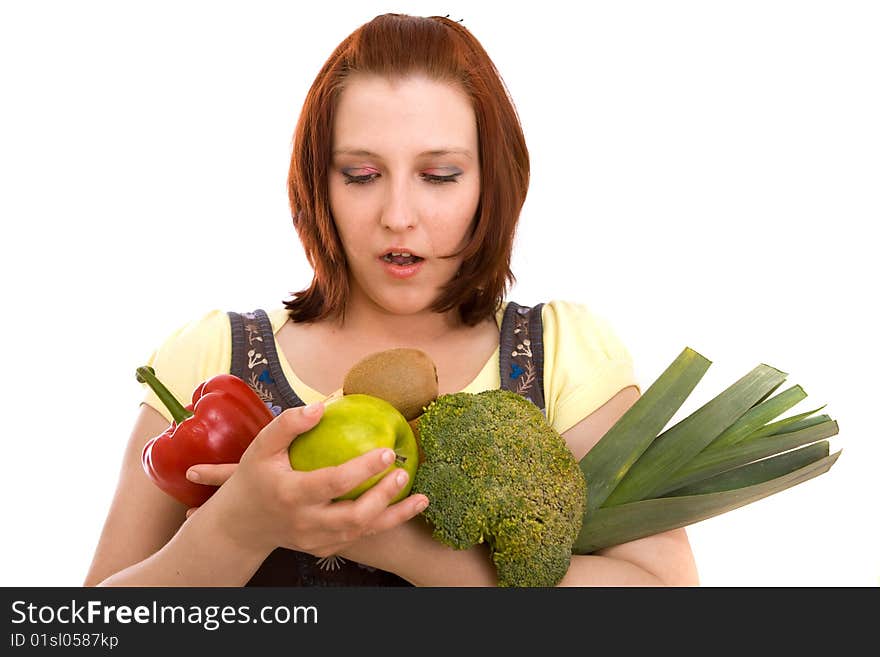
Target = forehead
(377,113)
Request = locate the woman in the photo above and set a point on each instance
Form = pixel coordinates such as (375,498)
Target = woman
(408,174)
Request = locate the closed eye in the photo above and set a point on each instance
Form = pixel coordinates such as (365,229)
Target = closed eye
(427,177)
(431,178)
(358,180)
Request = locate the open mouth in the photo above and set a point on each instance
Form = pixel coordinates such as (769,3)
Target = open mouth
(401,258)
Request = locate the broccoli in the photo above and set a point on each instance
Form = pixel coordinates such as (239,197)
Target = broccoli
(496,471)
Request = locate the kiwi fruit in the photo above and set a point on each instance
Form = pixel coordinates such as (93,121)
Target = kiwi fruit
(405,378)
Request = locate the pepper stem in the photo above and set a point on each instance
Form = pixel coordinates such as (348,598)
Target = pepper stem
(178,412)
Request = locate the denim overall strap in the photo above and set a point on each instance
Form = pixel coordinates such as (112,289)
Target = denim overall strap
(522,352)
(255,360)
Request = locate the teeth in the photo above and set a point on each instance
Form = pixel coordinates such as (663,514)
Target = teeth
(389,257)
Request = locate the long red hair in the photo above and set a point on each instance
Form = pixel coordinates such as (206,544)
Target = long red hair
(397,45)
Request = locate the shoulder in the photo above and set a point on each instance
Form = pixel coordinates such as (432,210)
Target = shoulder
(278,317)
(197,334)
(576,326)
(192,352)
(585,362)
(571,325)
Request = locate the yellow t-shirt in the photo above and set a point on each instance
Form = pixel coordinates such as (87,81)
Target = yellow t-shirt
(585,364)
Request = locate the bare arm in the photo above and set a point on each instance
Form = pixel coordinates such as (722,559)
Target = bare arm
(663,559)
(142,519)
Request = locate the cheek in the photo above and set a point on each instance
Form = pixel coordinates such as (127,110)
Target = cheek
(449,235)
(455,226)
(347,216)
(338,206)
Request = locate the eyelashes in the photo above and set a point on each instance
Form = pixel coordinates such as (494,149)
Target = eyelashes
(430,178)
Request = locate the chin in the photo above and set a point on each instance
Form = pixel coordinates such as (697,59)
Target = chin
(408,303)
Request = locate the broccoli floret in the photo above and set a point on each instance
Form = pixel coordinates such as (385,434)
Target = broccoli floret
(495,471)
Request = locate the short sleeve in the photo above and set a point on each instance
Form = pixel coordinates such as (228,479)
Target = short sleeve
(193,353)
(585,363)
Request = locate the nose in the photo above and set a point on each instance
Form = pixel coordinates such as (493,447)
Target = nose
(399,211)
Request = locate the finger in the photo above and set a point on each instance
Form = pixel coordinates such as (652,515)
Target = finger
(328,483)
(280,432)
(371,511)
(396,514)
(212,474)
(191,511)
(376,499)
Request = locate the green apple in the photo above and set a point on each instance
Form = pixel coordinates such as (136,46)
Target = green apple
(353,425)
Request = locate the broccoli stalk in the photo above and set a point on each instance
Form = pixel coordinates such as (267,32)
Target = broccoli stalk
(497,472)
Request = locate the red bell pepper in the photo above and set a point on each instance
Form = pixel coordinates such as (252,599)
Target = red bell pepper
(224,417)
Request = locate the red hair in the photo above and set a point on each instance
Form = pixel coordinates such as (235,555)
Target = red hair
(397,45)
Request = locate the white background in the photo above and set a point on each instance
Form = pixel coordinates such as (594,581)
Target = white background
(705,174)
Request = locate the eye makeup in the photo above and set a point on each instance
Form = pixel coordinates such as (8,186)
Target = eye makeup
(372,174)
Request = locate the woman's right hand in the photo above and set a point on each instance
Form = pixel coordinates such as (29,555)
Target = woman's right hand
(266,504)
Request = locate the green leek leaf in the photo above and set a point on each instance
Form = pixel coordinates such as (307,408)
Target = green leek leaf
(756,417)
(789,424)
(610,459)
(613,525)
(675,447)
(757,471)
(708,464)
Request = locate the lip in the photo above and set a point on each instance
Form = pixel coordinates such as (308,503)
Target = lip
(394,248)
(401,271)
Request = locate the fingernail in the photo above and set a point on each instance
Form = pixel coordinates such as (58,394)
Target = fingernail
(388,456)
(192,475)
(401,477)
(421,505)
(312,409)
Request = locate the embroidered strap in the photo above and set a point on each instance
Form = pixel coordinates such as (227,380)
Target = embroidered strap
(522,352)
(255,360)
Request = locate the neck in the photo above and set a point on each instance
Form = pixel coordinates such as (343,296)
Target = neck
(372,323)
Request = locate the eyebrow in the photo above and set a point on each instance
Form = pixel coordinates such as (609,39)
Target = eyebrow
(434,153)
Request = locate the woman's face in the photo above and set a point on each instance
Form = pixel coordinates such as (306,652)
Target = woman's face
(404,186)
